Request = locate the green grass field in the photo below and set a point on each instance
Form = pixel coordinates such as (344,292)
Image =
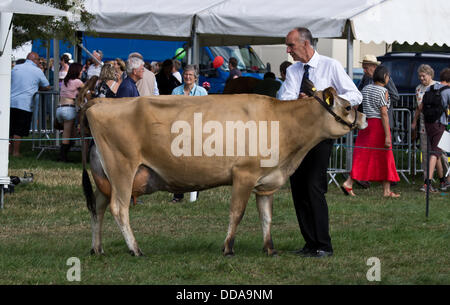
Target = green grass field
(46,222)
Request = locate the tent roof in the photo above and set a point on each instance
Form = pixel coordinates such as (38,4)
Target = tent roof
(254,18)
(27,7)
(405,21)
(222,22)
(136,18)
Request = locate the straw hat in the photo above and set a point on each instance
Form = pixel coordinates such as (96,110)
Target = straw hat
(370,59)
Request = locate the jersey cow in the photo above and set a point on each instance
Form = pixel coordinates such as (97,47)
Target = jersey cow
(182,144)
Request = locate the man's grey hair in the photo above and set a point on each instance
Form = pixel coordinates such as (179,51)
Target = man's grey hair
(136,54)
(99,52)
(191,68)
(133,63)
(305,34)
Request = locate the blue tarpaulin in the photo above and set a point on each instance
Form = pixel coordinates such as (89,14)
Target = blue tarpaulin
(152,50)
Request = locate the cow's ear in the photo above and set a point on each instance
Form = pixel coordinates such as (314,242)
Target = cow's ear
(328,95)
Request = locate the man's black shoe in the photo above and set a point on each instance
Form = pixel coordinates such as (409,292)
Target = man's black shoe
(320,254)
(303,251)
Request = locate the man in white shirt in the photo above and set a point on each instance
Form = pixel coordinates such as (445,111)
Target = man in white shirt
(309,182)
(96,67)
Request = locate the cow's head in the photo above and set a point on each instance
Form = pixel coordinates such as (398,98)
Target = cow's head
(345,116)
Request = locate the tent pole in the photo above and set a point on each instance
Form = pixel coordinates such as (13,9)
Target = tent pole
(193,52)
(56,64)
(5,89)
(77,50)
(349,138)
(47,54)
(196,48)
(349,51)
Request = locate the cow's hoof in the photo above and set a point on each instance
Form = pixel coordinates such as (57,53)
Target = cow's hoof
(97,252)
(228,253)
(138,253)
(270,252)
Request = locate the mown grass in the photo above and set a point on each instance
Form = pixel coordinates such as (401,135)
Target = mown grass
(46,222)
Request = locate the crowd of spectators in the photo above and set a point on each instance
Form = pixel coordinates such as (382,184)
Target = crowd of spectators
(114,79)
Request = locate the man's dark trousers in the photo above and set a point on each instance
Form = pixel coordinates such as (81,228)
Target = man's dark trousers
(309,185)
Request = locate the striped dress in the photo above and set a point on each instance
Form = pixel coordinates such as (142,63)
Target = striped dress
(371,161)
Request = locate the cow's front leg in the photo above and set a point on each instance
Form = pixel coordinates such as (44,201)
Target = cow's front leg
(265,203)
(241,192)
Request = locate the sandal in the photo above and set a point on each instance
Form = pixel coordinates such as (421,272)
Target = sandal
(392,195)
(347,190)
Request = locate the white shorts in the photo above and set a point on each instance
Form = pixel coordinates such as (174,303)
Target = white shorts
(65,114)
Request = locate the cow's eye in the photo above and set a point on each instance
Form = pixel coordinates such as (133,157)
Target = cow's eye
(348,108)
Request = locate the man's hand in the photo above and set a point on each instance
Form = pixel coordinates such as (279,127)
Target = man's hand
(302,95)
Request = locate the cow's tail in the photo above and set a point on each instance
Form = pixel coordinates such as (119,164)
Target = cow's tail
(89,193)
(84,129)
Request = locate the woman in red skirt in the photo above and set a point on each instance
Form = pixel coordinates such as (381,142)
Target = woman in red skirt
(373,159)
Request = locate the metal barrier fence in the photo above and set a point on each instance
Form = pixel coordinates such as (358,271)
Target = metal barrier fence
(42,124)
(407,154)
(408,101)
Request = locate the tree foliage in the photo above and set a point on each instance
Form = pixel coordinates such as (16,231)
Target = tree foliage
(30,27)
(405,47)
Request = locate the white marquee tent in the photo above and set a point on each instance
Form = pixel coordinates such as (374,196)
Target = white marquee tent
(232,22)
(266,22)
(7,8)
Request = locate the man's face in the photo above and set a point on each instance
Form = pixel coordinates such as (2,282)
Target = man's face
(36,61)
(97,55)
(369,69)
(296,47)
(139,72)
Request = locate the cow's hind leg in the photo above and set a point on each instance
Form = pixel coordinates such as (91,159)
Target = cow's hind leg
(264,203)
(241,191)
(97,221)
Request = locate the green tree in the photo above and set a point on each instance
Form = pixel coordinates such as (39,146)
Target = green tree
(30,27)
(405,47)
